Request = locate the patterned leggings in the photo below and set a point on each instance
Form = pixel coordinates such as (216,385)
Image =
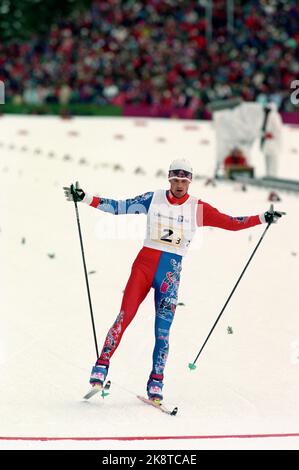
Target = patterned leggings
(160,270)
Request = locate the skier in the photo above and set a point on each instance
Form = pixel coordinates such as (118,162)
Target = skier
(172,218)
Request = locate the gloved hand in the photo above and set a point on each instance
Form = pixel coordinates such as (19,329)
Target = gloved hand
(74,192)
(271,216)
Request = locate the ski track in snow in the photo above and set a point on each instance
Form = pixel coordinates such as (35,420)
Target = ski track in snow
(246,383)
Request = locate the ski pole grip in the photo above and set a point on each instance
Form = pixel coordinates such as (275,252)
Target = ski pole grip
(74,193)
(271,210)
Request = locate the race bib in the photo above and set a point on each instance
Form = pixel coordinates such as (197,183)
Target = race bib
(167,235)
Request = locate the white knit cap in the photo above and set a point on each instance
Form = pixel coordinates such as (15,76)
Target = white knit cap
(180,164)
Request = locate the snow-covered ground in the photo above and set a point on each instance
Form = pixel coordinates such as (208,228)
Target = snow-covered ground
(246,382)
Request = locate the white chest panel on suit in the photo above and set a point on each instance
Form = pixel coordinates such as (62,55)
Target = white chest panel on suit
(170,227)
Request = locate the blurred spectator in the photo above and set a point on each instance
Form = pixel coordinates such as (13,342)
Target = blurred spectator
(237,162)
(64,95)
(30,94)
(155,53)
(235,158)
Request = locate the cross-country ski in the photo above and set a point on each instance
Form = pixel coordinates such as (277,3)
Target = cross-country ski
(104,390)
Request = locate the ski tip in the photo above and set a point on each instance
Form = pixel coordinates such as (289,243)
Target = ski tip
(105,390)
(174,411)
(192,366)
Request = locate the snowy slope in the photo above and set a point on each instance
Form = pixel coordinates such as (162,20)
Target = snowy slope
(245,383)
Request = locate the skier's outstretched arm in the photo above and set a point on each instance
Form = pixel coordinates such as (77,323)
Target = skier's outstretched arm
(208,215)
(136,205)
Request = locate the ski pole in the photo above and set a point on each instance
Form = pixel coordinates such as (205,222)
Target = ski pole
(192,365)
(85,270)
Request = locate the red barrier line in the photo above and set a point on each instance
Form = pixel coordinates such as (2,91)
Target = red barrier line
(147,438)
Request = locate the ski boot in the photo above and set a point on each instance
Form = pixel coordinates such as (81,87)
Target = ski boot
(154,389)
(97,378)
(98,375)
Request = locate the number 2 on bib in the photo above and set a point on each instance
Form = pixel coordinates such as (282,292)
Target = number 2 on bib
(169,235)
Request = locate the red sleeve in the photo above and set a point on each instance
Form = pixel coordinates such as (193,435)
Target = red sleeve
(211,217)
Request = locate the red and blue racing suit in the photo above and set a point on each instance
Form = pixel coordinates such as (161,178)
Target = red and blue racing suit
(159,270)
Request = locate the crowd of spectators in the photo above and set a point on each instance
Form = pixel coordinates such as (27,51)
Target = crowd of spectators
(136,52)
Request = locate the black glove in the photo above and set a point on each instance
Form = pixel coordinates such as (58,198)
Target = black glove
(74,192)
(272,216)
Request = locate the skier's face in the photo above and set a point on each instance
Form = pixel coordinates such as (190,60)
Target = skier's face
(179,187)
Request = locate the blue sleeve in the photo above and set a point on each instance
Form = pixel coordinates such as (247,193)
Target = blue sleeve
(136,205)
